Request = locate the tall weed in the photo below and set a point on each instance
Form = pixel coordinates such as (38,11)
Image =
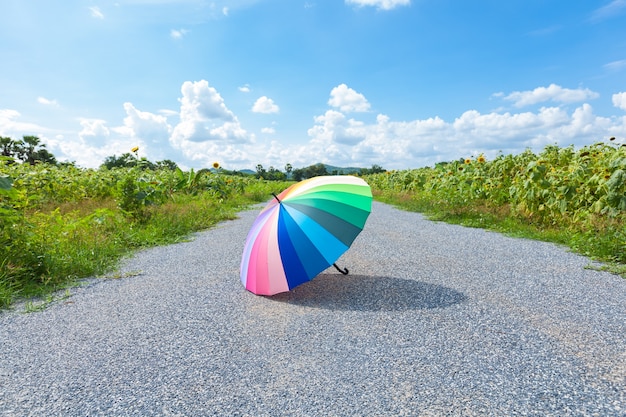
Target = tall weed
(61,223)
(576,197)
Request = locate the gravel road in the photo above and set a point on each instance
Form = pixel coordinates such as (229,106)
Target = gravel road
(433,320)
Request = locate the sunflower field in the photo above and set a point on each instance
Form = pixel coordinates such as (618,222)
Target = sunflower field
(59,223)
(575,197)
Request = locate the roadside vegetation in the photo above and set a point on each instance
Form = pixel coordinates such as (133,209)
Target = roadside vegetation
(60,223)
(576,198)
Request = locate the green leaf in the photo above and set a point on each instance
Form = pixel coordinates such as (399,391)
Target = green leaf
(6,183)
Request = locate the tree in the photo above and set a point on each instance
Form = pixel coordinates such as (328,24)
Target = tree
(288,169)
(315,171)
(7,147)
(311,171)
(125,160)
(167,164)
(275,175)
(298,174)
(375,169)
(260,171)
(29,150)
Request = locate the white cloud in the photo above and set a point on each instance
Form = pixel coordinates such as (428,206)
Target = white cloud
(94,131)
(11,126)
(245,88)
(265,105)
(348,100)
(613,9)
(204,130)
(202,102)
(619,100)
(47,102)
(616,65)
(178,33)
(551,93)
(207,128)
(168,112)
(334,127)
(94,142)
(208,131)
(87,154)
(145,125)
(225,11)
(338,140)
(380,4)
(95,12)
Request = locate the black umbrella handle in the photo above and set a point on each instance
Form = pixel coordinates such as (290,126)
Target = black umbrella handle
(343,271)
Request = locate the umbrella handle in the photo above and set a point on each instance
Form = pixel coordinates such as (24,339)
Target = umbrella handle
(343,271)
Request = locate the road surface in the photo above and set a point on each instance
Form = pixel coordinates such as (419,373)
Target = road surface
(433,320)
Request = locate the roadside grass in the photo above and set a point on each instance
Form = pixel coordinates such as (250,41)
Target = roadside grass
(56,245)
(601,239)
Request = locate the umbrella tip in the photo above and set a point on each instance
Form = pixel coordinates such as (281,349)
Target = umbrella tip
(276,197)
(343,271)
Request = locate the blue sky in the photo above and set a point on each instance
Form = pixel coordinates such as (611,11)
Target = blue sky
(398,83)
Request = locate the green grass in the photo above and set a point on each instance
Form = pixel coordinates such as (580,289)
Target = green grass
(601,240)
(53,247)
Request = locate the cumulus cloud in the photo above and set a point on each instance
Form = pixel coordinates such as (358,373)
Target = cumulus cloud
(145,125)
(207,131)
(202,102)
(334,127)
(207,127)
(265,105)
(96,12)
(338,140)
(94,143)
(348,100)
(11,126)
(94,131)
(380,4)
(204,130)
(245,88)
(619,100)
(553,92)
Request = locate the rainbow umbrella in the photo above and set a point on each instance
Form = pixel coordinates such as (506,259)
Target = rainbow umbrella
(303,231)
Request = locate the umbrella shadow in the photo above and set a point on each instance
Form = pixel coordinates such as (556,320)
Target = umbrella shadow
(370,293)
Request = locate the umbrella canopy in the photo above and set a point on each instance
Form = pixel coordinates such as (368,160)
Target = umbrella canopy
(303,231)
